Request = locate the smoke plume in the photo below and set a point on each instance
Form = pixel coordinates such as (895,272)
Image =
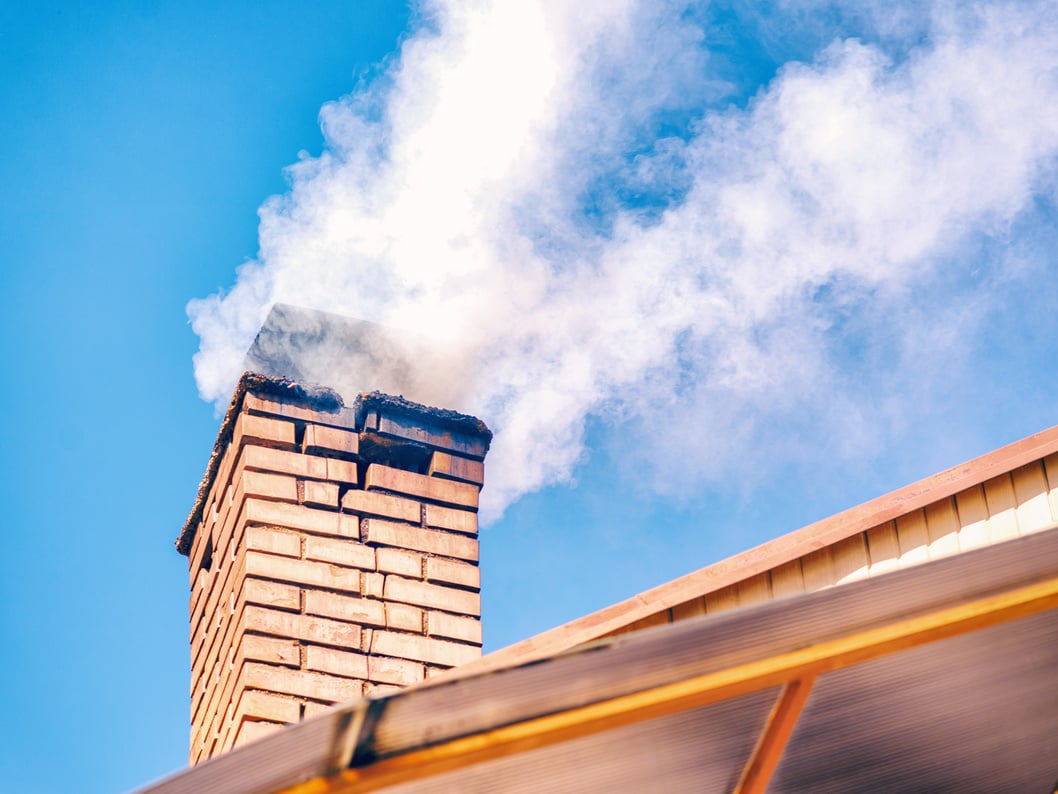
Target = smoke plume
(601,217)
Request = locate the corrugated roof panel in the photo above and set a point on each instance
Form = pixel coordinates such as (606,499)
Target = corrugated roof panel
(978,712)
(701,750)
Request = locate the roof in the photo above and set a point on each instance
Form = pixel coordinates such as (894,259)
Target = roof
(774,553)
(935,677)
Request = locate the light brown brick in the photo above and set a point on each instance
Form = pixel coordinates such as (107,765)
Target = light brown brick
(273,541)
(257,705)
(453,467)
(385,478)
(329,660)
(453,627)
(316,709)
(371,584)
(343,417)
(302,627)
(377,504)
(263,431)
(380,690)
(384,670)
(251,731)
(272,594)
(279,487)
(449,518)
(324,494)
(320,438)
(304,572)
(406,563)
(422,649)
(452,572)
(454,441)
(341,551)
(364,611)
(342,471)
(404,617)
(410,591)
(284,462)
(302,683)
(385,533)
(270,649)
(280,514)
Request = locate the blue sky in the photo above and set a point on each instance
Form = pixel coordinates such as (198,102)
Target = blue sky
(716,271)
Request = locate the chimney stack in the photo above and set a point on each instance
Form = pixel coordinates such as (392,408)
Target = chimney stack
(333,553)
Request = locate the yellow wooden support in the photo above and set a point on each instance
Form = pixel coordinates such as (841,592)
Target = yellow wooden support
(776,734)
(776,670)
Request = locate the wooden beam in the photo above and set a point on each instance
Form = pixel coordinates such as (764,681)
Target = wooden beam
(776,734)
(764,673)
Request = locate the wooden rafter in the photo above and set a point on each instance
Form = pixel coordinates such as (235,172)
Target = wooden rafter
(776,734)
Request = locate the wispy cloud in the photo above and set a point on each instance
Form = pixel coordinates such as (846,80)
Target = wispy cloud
(569,197)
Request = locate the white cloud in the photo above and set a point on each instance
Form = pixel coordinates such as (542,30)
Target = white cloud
(749,314)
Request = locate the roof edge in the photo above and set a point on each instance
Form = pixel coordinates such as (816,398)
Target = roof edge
(770,554)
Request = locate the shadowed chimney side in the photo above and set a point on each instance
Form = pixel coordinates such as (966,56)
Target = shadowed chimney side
(333,552)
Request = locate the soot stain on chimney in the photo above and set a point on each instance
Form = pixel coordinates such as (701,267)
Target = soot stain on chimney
(405,455)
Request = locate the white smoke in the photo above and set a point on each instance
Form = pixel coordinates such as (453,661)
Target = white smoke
(513,189)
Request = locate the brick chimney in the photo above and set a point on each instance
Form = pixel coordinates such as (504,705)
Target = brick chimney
(333,553)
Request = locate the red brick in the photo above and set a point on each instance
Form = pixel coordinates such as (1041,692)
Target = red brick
(341,551)
(302,627)
(284,462)
(320,438)
(272,594)
(422,649)
(364,611)
(404,617)
(280,514)
(453,627)
(342,417)
(406,427)
(452,572)
(257,705)
(329,660)
(410,591)
(454,467)
(448,518)
(384,670)
(384,478)
(279,487)
(403,536)
(377,504)
(316,709)
(199,546)
(324,494)
(406,563)
(273,541)
(342,471)
(314,574)
(371,584)
(251,731)
(270,649)
(263,431)
(302,683)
